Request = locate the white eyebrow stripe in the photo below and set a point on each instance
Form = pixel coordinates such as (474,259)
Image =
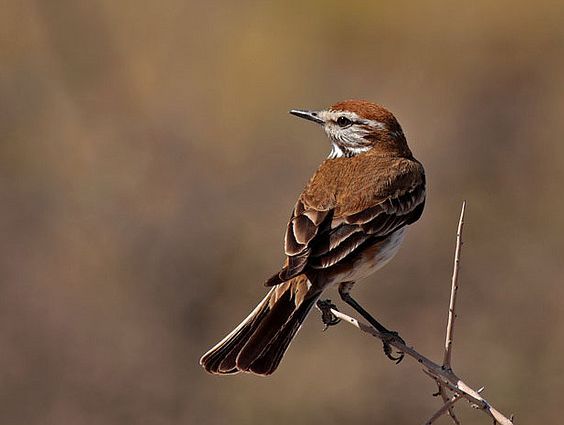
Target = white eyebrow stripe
(353,116)
(376,124)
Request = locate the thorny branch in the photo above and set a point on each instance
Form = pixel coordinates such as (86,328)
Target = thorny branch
(443,374)
(448,404)
(454,291)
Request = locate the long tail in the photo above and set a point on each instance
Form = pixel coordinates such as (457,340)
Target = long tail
(259,342)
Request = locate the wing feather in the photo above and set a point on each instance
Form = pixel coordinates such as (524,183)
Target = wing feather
(318,239)
(332,257)
(303,229)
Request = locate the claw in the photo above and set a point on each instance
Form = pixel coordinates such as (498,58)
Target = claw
(327,317)
(388,348)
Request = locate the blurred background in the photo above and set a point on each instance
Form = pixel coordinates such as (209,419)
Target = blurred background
(148,166)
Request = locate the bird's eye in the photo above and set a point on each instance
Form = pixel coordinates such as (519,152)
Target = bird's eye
(343,122)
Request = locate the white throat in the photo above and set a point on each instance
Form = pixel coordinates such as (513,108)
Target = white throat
(338,152)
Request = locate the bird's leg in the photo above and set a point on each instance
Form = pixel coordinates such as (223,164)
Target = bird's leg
(344,292)
(327,317)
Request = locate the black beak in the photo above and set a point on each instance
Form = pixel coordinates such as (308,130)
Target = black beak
(308,115)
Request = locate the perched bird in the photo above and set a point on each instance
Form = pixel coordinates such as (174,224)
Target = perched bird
(347,223)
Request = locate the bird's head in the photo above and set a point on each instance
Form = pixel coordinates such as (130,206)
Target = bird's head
(358,126)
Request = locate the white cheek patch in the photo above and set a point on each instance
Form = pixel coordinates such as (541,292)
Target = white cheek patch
(350,136)
(348,141)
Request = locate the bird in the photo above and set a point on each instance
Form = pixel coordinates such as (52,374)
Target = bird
(348,222)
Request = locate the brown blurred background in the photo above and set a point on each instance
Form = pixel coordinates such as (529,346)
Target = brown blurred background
(148,166)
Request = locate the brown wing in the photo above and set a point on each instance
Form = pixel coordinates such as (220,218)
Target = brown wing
(372,224)
(319,239)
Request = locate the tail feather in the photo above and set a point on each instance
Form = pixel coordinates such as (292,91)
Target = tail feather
(220,359)
(278,315)
(259,342)
(272,354)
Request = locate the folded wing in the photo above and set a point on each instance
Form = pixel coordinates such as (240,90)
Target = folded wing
(320,239)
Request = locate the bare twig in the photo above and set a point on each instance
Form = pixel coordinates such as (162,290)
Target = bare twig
(442,391)
(443,374)
(444,408)
(453,291)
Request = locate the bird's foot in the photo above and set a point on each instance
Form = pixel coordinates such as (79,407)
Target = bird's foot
(327,316)
(388,337)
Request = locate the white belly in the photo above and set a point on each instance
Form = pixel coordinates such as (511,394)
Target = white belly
(373,258)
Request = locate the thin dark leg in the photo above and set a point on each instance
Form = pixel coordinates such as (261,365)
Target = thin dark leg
(344,292)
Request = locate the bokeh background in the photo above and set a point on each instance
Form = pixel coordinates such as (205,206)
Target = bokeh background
(148,166)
